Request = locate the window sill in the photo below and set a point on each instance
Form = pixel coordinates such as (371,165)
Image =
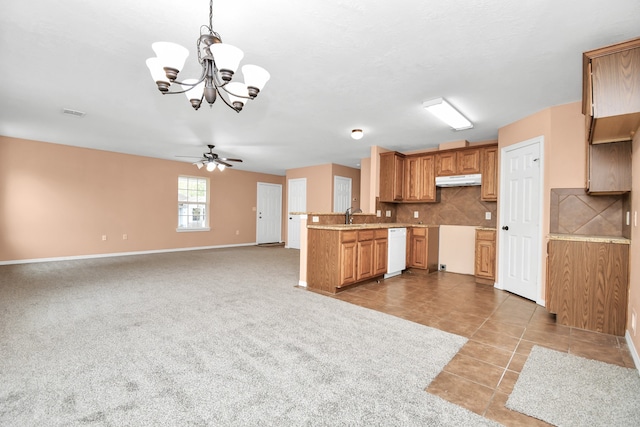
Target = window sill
(190,230)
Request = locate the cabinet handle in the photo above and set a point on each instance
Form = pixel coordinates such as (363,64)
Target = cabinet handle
(505,227)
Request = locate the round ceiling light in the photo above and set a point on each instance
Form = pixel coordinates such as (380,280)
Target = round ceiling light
(357,134)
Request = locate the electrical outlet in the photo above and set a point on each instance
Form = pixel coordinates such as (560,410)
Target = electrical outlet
(628,218)
(125,237)
(378,213)
(104,237)
(237,232)
(315,219)
(416,214)
(487,215)
(443,267)
(388,214)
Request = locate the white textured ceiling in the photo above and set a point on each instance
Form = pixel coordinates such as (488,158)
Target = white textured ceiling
(335,65)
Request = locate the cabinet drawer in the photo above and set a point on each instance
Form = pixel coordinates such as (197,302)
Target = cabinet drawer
(380,233)
(485,234)
(365,235)
(348,236)
(419,231)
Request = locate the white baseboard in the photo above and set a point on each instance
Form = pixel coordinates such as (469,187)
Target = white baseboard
(632,349)
(302,283)
(77,257)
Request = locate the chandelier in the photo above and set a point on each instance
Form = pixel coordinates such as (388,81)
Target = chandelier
(219,62)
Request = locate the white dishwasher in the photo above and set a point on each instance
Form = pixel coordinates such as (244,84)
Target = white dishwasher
(396,251)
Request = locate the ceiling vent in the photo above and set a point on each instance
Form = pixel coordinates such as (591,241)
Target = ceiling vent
(75,113)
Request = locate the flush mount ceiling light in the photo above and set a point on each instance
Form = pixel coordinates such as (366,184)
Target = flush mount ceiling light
(219,61)
(445,112)
(357,134)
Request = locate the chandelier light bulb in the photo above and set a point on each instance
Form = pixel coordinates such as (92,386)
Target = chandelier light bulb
(211,166)
(357,134)
(221,167)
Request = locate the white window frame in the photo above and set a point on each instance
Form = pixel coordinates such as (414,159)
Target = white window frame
(194,204)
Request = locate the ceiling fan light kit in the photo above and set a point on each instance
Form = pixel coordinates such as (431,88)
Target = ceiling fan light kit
(211,161)
(219,62)
(446,113)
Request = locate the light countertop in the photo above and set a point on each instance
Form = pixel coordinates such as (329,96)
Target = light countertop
(594,239)
(342,227)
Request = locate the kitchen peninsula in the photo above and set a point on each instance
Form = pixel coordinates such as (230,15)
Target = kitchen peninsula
(341,255)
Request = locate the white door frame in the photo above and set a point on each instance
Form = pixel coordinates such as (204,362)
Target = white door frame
(503,256)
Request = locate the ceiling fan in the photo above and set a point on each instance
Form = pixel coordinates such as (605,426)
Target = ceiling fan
(211,160)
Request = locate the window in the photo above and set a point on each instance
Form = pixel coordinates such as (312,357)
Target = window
(193,203)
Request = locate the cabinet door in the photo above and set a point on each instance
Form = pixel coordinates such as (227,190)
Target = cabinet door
(616,83)
(609,168)
(380,257)
(348,263)
(427,177)
(391,177)
(489,163)
(365,259)
(446,164)
(468,161)
(412,176)
(485,259)
(419,248)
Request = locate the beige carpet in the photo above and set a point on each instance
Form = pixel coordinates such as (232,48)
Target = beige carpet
(208,338)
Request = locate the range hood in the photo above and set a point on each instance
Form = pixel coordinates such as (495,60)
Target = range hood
(458,180)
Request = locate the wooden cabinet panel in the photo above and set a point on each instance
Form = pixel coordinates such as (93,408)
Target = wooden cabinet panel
(365,260)
(611,92)
(391,177)
(587,285)
(348,265)
(489,171)
(458,162)
(485,256)
(419,179)
(446,164)
(609,168)
(380,256)
(468,161)
(423,245)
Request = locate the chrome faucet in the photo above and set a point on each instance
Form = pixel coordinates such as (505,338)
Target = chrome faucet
(348,218)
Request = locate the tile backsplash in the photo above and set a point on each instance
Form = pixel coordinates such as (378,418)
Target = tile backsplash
(573,211)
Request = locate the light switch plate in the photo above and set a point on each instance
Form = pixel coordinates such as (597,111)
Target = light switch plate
(487,215)
(315,219)
(388,214)
(378,213)
(416,214)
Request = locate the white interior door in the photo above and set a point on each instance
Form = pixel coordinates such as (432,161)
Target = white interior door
(341,193)
(520,213)
(296,202)
(269,218)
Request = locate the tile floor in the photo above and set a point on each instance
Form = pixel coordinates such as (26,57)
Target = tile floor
(501,328)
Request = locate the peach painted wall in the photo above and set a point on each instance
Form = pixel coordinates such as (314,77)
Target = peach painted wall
(564,158)
(58,201)
(634,279)
(319,186)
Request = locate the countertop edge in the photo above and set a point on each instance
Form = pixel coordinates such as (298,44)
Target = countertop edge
(345,227)
(595,239)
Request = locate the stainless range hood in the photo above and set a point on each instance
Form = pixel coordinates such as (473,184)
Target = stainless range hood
(458,180)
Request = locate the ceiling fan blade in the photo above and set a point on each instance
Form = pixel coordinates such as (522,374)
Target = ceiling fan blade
(221,162)
(192,157)
(226,159)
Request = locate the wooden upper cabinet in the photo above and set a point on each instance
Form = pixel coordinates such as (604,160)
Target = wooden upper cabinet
(489,170)
(609,168)
(419,179)
(391,177)
(458,162)
(611,92)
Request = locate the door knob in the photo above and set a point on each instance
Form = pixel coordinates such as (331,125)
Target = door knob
(505,227)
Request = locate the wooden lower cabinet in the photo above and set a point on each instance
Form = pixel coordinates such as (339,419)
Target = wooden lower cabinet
(485,256)
(422,249)
(337,258)
(588,283)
